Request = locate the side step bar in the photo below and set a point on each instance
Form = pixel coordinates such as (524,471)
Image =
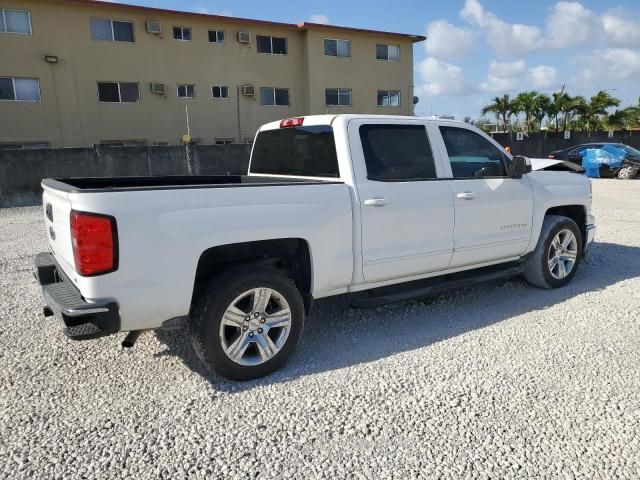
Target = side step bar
(431,286)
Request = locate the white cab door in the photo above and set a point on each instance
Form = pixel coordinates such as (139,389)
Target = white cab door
(406,210)
(493,211)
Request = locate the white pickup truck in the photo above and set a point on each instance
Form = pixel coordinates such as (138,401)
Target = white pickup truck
(383,207)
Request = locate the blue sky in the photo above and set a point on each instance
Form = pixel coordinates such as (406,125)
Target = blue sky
(478,49)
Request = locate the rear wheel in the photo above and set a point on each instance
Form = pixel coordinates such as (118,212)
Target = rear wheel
(627,173)
(557,255)
(248,322)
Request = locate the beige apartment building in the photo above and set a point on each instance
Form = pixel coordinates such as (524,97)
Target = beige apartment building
(81,72)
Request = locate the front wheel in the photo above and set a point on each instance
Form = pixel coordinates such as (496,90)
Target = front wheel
(248,322)
(557,255)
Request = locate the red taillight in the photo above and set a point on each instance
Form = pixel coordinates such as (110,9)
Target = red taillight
(95,243)
(291,122)
(551,156)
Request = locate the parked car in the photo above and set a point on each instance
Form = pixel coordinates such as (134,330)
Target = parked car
(616,159)
(383,207)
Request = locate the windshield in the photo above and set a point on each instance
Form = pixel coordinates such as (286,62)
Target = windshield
(631,150)
(303,151)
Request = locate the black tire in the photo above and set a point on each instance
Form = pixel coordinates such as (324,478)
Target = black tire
(536,266)
(209,309)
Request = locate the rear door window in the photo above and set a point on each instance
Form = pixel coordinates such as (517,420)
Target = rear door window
(304,151)
(398,153)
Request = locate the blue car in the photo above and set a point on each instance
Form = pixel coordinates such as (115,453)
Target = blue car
(603,159)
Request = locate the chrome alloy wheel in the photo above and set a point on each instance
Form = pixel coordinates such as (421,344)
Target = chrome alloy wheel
(626,173)
(255,326)
(563,253)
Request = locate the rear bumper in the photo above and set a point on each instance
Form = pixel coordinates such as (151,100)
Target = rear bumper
(82,320)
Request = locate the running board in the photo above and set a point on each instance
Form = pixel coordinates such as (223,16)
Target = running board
(431,286)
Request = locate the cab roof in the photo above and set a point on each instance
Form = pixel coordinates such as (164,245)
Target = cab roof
(310,120)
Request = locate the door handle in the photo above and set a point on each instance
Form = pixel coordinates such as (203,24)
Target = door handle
(377,202)
(466,195)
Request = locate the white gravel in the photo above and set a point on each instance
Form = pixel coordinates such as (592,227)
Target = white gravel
(498,381)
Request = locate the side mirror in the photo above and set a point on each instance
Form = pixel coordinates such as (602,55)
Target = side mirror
(520,166)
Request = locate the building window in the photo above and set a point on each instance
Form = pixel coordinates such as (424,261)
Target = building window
(182,33)
(271,45)
(15,21)
(219,91)
(186,90)
(388,98)
(337,48)
(111,30)
(216,36)
(224,141)
(274,96)
(15,89)
(118,92)
(388,52)
(335,97)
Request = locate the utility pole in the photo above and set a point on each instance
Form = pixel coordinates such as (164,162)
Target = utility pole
(186,139)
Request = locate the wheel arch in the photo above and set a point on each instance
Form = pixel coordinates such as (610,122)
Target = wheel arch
(292,256)
(575,211)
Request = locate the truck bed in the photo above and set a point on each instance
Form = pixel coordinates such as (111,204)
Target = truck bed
(117,184)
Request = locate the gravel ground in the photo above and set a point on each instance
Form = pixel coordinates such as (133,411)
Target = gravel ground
(497,381)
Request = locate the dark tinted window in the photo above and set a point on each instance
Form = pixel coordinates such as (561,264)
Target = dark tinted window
(129,92)
(305,151)
(472,155)
(123,31)
(397,152)
(282,96)
(279,46)
(108,92)
(6,89)
(275,45)
(182,33)
(263,44)
(216,36)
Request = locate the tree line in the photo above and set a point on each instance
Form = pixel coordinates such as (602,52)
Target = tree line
(528,111)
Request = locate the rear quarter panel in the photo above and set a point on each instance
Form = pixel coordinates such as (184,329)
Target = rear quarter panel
(162,233)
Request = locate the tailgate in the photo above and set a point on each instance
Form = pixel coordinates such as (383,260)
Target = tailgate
(57,210)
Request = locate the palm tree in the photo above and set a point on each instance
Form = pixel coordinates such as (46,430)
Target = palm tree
(573,106)
(626,118)
(503,107)
(541,107)
(526,102)
(534,105)
(558,104)
(597,108)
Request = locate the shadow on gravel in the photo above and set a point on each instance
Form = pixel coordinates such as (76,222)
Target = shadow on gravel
(337,336)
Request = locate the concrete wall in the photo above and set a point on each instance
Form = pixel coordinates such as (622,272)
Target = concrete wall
(21,171)
(541,144)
